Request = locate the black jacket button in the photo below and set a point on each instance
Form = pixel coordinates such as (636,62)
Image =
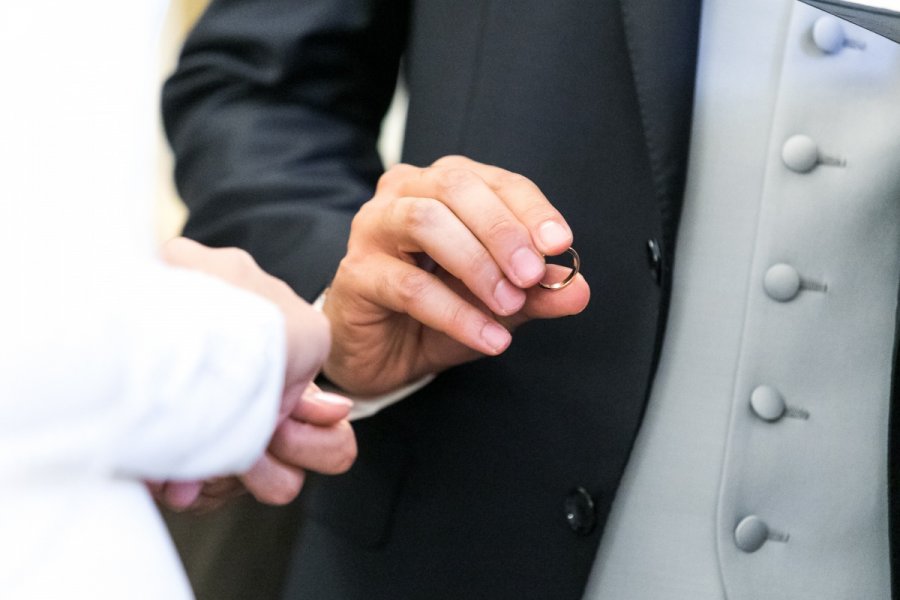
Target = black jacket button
(580,513)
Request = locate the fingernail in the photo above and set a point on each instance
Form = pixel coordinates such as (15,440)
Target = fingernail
(509,297)
(527,266)
(495,337)
(181,494)
(554,235)
(329,398)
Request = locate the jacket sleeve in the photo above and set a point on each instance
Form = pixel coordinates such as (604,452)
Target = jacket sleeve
(273,114)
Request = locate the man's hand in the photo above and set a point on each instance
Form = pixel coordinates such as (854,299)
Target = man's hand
(441,264)
(313,432)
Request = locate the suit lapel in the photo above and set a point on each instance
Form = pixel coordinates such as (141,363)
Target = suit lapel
(662,40)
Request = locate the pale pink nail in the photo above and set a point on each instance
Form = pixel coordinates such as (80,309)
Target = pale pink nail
(527,265)
(333,399)
(554,235)
(509,297)
(495,337)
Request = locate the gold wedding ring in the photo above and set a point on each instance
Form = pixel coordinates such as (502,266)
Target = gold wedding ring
(570,277)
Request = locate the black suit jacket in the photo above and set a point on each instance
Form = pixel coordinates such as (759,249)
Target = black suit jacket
(495,480)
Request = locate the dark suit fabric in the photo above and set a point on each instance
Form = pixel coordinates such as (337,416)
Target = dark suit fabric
(274,114)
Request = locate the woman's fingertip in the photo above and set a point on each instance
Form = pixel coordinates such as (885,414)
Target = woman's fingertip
(331,399)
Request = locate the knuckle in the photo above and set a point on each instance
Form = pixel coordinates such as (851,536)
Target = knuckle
(412,286)
(347,267)
(456,317)
(387,179)
(175,249)
(503,229)
(238,256)
(455,179)
(394,176)
(451,160)
(364,217)
(479,258)
(285,441)
(371,221)
(537,207)
(351,276)
(508,179)
(481,263)
(239,260)
(420,214)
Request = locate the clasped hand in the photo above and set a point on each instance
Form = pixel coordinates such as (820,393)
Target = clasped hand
(313,432)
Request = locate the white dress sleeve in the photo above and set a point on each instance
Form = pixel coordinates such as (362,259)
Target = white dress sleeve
(110,362)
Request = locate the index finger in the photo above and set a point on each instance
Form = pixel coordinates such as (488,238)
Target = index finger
(550,232)
(479,208)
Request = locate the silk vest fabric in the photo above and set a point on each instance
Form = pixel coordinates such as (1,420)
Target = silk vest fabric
(760,468)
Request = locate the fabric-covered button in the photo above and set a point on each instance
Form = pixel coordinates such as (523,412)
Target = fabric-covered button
(654,260)
(800,153)
(782,282)
(580,513)
(751,533)
(828,35)
(767,403)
